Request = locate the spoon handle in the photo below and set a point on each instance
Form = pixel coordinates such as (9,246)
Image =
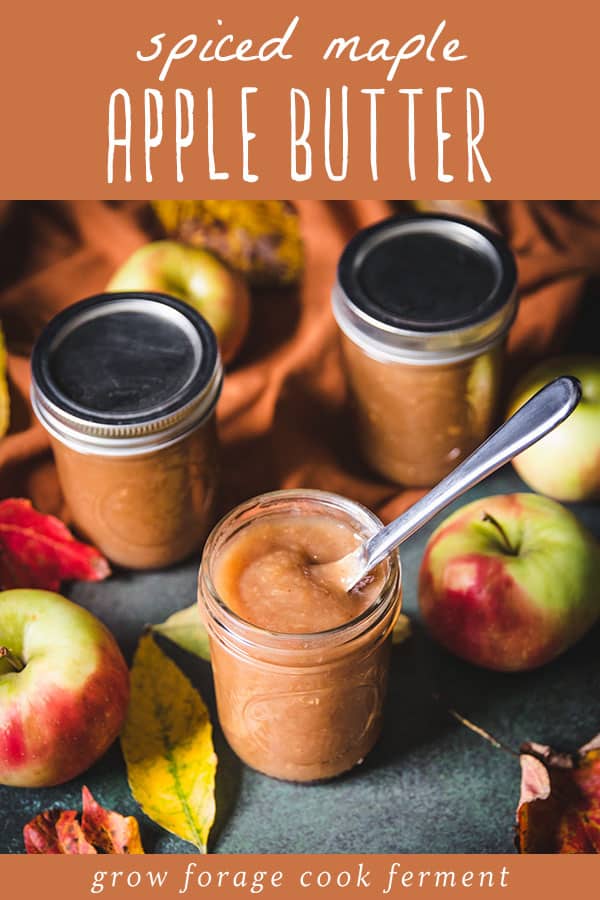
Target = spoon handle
(543,412)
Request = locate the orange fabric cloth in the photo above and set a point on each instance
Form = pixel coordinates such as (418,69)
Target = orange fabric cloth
(283,414)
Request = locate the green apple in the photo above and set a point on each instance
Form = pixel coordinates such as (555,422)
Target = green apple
(510,582)
(64,688)
(197,277)
(566,463)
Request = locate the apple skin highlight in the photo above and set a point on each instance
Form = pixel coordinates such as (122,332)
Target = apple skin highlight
(63,710)
(513,598)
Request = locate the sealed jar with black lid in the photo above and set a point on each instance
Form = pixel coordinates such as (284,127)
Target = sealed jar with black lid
(424,304)
(126,386)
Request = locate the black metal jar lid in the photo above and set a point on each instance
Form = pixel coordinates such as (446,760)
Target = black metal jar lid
(125,373)
(426,288)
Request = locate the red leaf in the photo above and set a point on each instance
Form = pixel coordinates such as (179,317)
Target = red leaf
(71,836)
(40,834)
(559,806)
(109,831)
(100,831)
(559,809)
(56,831)
(39,551)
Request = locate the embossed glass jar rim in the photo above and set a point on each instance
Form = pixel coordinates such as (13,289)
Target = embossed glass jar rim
(153,425)
(239,634)
(398,339)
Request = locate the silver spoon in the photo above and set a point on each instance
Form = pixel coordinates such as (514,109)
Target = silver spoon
(543,412)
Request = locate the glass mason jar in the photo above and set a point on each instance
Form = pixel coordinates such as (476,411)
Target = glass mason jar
(299,707)
(126,386)
(424,305)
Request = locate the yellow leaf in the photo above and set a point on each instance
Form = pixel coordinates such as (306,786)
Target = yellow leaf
(167,745)
(402,630)
(261,239)
(185,628)
(4,397)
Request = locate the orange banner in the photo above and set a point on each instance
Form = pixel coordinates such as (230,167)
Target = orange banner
(301,877)
(135,99)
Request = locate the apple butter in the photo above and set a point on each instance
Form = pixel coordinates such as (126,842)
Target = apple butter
(126,385)
(300,666)
(424,304)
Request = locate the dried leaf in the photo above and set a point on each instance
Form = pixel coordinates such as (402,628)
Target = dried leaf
(259,238)
(40,834)
(167,745)
(4,395)
(70,835)
(107,830)
(100,830)
(559,808)
(39,551)
(185,629)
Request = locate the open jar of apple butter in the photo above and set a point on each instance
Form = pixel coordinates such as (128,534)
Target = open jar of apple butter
(126,385)
(424,304)
(300,666)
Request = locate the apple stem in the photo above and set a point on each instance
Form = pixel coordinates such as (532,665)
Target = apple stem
(12,658)
(477,729)
(487,517)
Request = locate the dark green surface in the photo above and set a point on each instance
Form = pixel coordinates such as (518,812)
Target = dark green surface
(429,786)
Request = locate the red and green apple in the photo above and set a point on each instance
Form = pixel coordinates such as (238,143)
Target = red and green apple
(64,688)
(511,581)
